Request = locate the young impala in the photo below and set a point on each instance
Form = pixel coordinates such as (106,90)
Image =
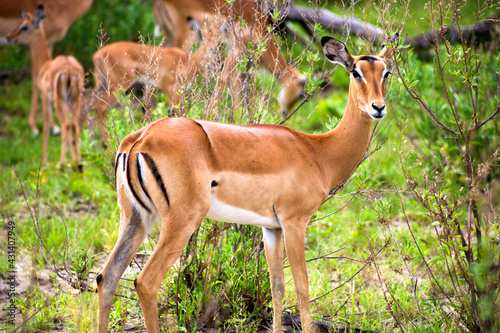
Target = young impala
(61,14)
(60,82)
(182,170)
(119,65)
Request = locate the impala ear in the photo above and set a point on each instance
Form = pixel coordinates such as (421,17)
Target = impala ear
(39,15)
(388,51)
(337,52)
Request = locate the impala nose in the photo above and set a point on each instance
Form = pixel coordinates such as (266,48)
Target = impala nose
(378,111)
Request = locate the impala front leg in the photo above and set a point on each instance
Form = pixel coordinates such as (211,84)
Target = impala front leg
(295,250)
(34,102)
(47,110)
(273,244)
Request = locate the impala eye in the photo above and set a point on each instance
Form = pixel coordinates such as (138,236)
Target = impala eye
(24,28)
(386,75)
(356,75)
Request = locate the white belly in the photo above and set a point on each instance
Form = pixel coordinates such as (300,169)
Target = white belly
(222,212)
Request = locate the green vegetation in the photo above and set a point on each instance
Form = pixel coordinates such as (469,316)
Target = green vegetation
(412,246)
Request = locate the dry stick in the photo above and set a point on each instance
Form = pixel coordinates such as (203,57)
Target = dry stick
(35,218)
(22,326)
(420,251)
(466,248)
(466,154)
(327,256)
(384,290)
(442,216)
(413,279)
(414,94)
(367,262)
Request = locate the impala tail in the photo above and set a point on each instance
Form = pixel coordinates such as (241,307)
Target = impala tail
(69,88)
(68,93)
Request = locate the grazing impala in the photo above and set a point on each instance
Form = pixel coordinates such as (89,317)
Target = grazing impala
(118,65)
(60,82)
(173,16)
(61,14)
(182,170)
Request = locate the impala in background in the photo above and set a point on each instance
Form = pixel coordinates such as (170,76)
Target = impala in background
(59,80)
(61,14)
(173,17)
(119,65)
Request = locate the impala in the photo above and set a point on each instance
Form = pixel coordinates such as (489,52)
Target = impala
(61,14)
(173,16)
(118,65)
(182,170)
(60,82)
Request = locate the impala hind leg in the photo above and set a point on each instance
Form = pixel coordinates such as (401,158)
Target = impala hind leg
(62,113)
(132,234)
(295,251)
(174,236)
(273,244)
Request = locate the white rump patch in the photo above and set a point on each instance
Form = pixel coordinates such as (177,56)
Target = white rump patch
(223,212)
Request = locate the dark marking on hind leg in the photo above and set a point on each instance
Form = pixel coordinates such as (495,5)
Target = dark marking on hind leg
(154,170)
(121,258)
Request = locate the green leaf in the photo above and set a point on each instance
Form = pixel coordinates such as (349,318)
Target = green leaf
(436,259)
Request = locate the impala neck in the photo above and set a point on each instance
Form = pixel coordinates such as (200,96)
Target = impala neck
(344,146)
(40,53)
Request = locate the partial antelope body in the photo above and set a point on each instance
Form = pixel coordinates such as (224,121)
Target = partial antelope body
(118,65)
(182,170)
(173,16)
(60,82)
(61,14)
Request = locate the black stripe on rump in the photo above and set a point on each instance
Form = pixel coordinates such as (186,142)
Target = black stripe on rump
(130,183)
(156,174)
(124,160)
(139,175)
(116,165)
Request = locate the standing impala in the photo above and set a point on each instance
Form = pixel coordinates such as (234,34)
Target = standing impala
(173,16)
(60,82)
(61,14)
(182,170)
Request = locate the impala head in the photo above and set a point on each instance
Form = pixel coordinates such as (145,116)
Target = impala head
(368,75)
(30,25)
